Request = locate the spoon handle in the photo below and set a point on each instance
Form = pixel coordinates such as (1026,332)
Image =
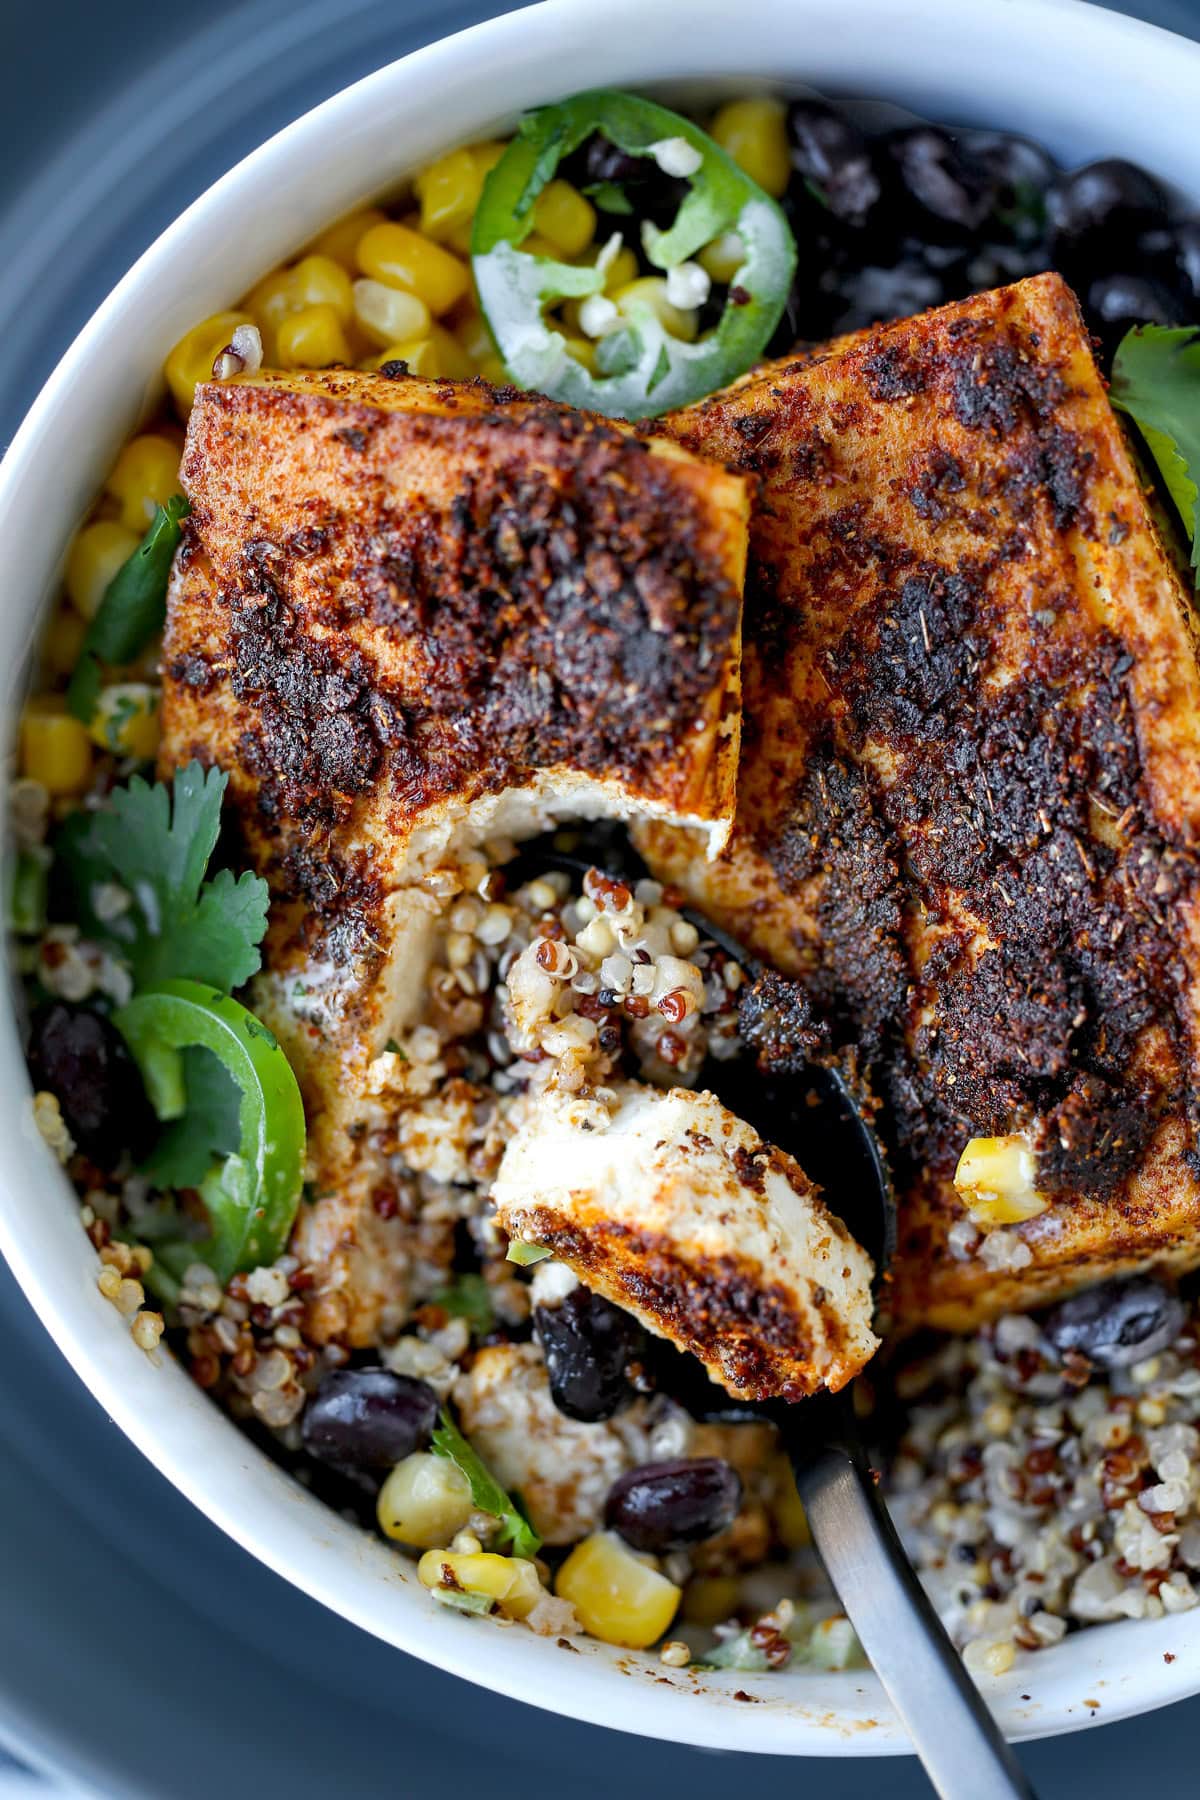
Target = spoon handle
(951,1728)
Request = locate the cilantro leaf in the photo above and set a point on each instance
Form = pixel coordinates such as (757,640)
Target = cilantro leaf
(607,197)
(486,1492)
(156,842)
(468,1297)
(210,1128)
(1156,380)
(132,610)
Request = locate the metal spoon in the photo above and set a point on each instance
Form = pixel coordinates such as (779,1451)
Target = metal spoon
(815,1116)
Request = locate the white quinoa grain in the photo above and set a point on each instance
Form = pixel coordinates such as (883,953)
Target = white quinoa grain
(495,925)
(129,1296)
(147,1329)
(47,1116)
(270,1372)
(684,937)
(267,1286)
(675,1654)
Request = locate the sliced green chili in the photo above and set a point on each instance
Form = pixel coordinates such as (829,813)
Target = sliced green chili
(642,369)
(251,1194)
(28,884)
(132,610)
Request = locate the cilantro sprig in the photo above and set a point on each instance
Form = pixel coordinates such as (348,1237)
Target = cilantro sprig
(1156,381)
(514,1530)
(230,1107)
(468,1297)
(155,845)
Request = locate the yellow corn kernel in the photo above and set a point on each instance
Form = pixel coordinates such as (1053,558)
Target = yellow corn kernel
(709,1599)
(94,558)
(316,280)
(388,315)
(650,291)
(722,259)
(448,190)
(270,300)
(311,339)
(621,270)
(424,1501)
(562,215)
(470,328)
(510,1581)
(487,155)
(537,245)
(619,1598)
(404,259)
(754,133)
(787,1510)
(582,349)
(63,641)
(319,281)
(438,357)
(996,1181)
(144,477)
(54,747)
(341,241)
(126,720)
(192,359)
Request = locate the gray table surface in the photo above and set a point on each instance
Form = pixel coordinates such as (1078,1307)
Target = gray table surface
(87,177)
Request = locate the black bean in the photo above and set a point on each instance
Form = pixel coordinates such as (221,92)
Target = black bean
(669,1505)
(1117,1322)
(995,265)
(368,1418)
(604,161)
(876,294)
(1096,210)
(1022,173)
(832,156)
(652,194)
(1171,254)
(80,1057)
(1115,302)
(950,187)
(590,1347)
(1187,256)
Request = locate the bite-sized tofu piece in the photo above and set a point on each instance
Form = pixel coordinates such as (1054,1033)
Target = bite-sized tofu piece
(969,793)
(406,617)
(675,1209)
(562,1468)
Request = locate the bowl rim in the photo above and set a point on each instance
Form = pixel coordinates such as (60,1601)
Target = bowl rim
(88,399)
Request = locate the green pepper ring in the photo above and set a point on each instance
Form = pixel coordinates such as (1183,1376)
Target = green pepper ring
(514,288)
(251,1196)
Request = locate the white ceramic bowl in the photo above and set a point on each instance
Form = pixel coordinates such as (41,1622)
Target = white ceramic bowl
(1083,81)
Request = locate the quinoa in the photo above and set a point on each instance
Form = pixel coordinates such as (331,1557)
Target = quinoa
(1038,1494)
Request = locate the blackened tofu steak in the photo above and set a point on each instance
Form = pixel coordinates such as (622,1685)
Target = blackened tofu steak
(407,617)
(969,792)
